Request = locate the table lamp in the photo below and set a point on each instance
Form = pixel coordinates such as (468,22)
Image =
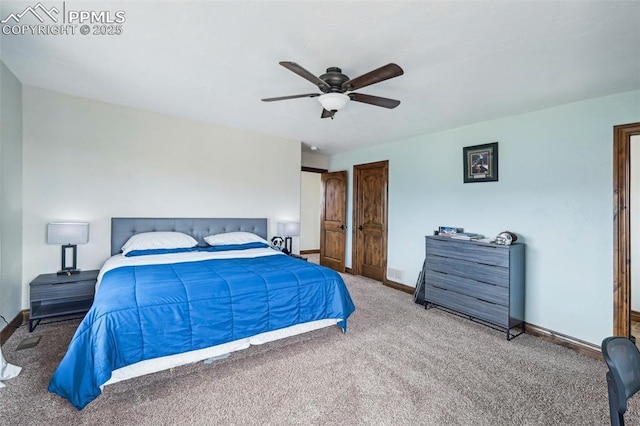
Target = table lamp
(288,230)
(69,234)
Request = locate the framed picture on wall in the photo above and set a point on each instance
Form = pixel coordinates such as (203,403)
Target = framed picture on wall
(480,163)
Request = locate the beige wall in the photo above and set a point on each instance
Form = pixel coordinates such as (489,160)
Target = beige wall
(10,194)
(310,199)
(90,161)
(315,160)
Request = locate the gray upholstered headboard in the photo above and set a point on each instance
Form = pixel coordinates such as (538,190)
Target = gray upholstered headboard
(122,228)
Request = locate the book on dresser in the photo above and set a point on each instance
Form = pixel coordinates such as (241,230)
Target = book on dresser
(478,280)
(466,236)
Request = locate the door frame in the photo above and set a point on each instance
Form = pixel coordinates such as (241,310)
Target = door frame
(310,170)
(622,227)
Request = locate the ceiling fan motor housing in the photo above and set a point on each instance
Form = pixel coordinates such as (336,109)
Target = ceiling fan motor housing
(334,78)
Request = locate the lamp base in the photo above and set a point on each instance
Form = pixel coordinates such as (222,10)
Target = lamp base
(69,272)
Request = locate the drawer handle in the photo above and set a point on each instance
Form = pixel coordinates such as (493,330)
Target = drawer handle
(85,282)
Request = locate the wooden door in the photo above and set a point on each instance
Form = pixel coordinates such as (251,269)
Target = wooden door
(370,220)
(333,220)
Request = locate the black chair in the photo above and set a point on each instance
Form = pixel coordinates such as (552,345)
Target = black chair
(623,378)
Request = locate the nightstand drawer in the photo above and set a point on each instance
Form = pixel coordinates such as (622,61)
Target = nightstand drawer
(63,290)
(56,295)
(297,256)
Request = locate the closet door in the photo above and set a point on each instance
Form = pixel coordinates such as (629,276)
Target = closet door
(333,220)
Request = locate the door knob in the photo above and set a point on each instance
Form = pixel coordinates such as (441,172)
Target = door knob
(361,228)
(342,227)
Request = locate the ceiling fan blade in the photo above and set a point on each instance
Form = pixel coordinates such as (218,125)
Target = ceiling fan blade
(374,100)
(282,98)
(381,74)
(327,114)
(292,66)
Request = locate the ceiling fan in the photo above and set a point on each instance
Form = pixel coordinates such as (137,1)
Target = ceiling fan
(334,84)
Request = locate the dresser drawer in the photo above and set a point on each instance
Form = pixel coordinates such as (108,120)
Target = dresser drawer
(489,312)
(488,292)
(76,289)
(467,250)
(467,269)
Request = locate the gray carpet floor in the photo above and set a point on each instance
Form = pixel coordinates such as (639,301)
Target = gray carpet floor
(397,364)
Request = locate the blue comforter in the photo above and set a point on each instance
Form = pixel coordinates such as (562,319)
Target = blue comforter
(144,312)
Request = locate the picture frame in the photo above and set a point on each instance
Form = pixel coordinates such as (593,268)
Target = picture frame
(480,163)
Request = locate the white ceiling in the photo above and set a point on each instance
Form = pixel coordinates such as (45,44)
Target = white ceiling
(464,62)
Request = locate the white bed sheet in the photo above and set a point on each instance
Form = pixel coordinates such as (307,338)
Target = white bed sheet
(164,363)
(119,260)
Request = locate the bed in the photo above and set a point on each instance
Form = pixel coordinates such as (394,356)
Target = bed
(162,306)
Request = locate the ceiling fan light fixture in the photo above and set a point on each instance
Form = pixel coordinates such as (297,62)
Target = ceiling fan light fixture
(333,101)
(334,84)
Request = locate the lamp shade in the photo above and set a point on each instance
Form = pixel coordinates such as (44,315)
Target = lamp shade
(289,229)
(333,101)
(68,233)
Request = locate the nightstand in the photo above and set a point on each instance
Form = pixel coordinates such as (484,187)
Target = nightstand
(54,295)
(297,256)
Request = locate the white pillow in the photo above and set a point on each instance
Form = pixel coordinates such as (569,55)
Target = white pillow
(233,238)
(158,240)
